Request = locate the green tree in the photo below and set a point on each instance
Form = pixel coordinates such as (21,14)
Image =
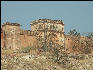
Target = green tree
(74,32)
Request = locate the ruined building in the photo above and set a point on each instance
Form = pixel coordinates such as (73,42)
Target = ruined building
(46,27)
(13,37)
(44,32)
(11,33)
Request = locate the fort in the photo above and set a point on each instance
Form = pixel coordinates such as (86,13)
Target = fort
(13,37)
(42,30)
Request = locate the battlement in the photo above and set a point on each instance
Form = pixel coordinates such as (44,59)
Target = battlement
(27,32)
(12,24)
(47,21)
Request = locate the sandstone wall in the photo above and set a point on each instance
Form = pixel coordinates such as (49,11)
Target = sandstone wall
(78,45)
(72,44)
(26,40)
(11,36)
(2,40)
(23,41)
(68,45)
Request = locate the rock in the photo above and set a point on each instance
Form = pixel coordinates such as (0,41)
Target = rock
(33,62)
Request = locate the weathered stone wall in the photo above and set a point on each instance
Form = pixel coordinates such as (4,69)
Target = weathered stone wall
(44,27)
(11,36)
(2,40)
(77,45)
(72,44)
(68,44)
(27,40)
(15,38)
(43,24)
(23,40)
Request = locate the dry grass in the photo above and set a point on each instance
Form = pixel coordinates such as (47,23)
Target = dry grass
(6,52)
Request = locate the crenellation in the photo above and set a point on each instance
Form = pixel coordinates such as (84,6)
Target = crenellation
(27,32)
(13,24)
(47,21)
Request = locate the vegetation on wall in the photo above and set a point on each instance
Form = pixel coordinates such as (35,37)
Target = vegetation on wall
(74,32)
(82,46)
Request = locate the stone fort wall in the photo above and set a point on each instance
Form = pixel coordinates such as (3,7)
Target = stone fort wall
(12,37)
(26,38)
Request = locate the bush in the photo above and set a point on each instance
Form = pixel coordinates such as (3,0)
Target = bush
(27,49)
(87,50)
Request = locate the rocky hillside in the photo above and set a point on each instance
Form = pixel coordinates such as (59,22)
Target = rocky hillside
(28,62)
(46,62)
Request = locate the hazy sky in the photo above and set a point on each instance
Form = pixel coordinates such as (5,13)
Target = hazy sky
(77,14)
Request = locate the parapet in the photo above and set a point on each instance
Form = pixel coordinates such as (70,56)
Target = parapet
(27,32)
(12,24)
(47,21)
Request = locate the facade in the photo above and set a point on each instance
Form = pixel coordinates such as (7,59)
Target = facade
(13,37)
(11,32)
(43,31)
(45,27)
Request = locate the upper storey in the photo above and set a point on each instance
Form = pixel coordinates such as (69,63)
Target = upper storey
(8,27)
(48,24)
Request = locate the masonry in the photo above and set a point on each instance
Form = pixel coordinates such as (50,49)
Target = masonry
(13,37)
(43,32)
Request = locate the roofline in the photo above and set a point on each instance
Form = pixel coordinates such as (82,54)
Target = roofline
(51,23)
(13,24)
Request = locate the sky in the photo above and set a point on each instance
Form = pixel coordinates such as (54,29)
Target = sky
(75,14)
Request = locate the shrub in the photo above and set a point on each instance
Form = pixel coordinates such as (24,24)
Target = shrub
(87,50)
(27,49)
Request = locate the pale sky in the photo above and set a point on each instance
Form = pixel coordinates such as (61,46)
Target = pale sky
(75,14)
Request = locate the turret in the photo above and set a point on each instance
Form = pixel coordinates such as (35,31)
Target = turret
(11,32)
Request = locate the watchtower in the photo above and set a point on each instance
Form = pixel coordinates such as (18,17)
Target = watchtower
(11,32)
(46,27)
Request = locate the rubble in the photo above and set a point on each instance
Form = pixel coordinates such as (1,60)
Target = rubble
(42,62)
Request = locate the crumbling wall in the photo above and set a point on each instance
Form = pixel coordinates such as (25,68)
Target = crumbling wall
(12,37)
(2,40)
(15,37)
(45,27)
(68,44)
(11,34)
(78,45)
(27,40)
